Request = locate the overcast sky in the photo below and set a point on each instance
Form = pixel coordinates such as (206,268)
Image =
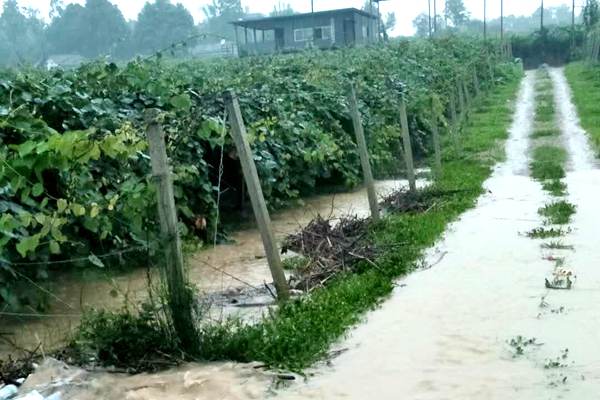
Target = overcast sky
(406,10)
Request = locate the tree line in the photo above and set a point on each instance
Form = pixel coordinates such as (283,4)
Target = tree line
(98,28)
(456,19)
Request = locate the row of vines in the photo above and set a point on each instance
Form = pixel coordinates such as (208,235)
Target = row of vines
(74,171)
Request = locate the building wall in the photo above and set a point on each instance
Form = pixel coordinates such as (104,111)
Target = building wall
(363,32)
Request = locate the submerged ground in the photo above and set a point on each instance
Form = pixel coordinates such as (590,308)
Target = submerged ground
(479,324)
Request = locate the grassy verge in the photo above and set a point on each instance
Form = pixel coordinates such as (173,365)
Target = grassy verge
(585,86)
(298,333)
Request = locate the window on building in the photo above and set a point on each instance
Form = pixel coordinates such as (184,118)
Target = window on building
(318,33)
(303,35)
(323,33)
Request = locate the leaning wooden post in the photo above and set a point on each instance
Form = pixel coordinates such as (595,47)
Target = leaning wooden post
(436,138)
(180,298)
(364,155)
(238,132)
(408,155)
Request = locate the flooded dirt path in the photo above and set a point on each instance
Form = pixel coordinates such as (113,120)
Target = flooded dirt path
(447,334)
(210,270)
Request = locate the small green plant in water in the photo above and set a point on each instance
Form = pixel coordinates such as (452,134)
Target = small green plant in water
(519,344)
(555,187)
(294,263)
(548,163)
(558,213)
(557,245)
(558,362)
(545,233)
(544,131)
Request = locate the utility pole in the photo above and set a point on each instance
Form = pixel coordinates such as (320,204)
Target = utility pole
(484,19)
(502,20)
(435,17)
(312,6)
(542,18)
(429,13)
(379,20)
(573,27)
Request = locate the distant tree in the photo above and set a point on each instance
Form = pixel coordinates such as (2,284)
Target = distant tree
(591,14)
(92,30)
(161,24)
(456,12)
(390,22)
(421,24)
(21,34)
(281,10)
(219,15)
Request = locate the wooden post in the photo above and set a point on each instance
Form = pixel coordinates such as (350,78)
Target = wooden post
(238,132)
(179,296)
(467,95)
(408,156)
(461,99)
(476,83)
(453,115)
(436,138)
(491,71)
(364,155)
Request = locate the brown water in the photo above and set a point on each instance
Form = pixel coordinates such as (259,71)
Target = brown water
(210,270)
(444,333)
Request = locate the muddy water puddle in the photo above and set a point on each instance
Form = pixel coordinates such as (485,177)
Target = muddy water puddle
(221,268)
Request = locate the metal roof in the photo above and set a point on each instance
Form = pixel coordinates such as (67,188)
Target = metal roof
(252,21)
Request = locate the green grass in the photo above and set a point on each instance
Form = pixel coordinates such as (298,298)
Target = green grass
(558,212)
(545,233)
(544,112)
(557,245)
(300,332)
(585,85)
(548,162)
(555,187)
(545,130)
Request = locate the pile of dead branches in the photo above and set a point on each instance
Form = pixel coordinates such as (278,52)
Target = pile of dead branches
(402,201)
(13,370)
(330,247)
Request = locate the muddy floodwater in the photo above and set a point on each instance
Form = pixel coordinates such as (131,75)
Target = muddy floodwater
(447,333)
(217,269)
(480,324)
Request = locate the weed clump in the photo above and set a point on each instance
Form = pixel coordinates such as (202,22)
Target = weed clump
(555,187)
(542,130)
(545,233)
(558,213)
(557,245)
(548,163)
(135,340)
